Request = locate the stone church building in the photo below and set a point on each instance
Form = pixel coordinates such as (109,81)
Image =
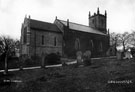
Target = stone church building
(65,37)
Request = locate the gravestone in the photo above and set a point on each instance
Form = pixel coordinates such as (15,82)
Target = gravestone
(127,55)
(108,52)
(79,57)
(21,62)
(64,60)
(119,55)
(87,58)
(43,55)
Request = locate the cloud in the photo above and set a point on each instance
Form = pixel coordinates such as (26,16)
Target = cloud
(44,3)
(6,5)
(120,13)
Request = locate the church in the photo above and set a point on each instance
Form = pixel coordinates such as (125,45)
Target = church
(64,37)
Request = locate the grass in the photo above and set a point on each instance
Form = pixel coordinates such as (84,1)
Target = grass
(70,78)
(15,63)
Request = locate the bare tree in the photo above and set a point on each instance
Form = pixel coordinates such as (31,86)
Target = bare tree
(124,39)
(7,45)
(132,38)
(114,41)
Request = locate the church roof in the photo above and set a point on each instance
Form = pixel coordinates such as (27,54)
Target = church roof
(43,25)
(81,27)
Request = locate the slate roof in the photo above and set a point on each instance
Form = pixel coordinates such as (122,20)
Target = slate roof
(43,25)
(80,27)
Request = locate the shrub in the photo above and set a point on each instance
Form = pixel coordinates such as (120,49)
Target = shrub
(133,52)
(52,59)
(28,62)
(36,58)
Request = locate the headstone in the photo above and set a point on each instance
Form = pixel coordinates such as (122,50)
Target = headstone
(64,60)
(119,55)
(87,58)
(79,57)
(43,60)
(21,62)
(127,55)
(108,52)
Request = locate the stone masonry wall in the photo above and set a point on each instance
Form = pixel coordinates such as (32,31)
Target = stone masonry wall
(36,46)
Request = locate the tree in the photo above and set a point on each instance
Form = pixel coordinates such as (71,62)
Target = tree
(114,41)
(124,39)
(7,46)
(132,38)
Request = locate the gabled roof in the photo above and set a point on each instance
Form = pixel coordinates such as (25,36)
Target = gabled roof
(80,27)
(43,25)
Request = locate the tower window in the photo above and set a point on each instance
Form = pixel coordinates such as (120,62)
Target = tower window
(55,41)
(42,39)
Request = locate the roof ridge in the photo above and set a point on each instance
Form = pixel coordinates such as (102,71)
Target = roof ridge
(41,21)
(43,25)
(74,23)
(96,30)
(81,25)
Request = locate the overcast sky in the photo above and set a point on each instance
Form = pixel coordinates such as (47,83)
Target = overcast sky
(120,13)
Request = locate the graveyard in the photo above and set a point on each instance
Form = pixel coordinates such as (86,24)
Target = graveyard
(103,75)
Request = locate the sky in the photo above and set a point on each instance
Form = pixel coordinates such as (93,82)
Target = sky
(120,13)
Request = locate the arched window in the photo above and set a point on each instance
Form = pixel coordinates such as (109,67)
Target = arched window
(101,46)
(77,44)
(92,44)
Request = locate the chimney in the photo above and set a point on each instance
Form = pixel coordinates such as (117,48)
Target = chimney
(68,23)
(105,13)
(56,17)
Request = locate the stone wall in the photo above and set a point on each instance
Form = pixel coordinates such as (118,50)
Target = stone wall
(49,45)
(98,21)
(24,49)
(85,43)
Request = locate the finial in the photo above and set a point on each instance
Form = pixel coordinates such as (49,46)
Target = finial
(108,31)
(98,10)
(105,13)
(25,15)
(89,14)
(56,17)
(67,22)
(29,16)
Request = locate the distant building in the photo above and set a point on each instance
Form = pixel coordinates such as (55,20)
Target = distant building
(65,37)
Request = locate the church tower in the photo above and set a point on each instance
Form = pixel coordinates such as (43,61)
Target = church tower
(98,21)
